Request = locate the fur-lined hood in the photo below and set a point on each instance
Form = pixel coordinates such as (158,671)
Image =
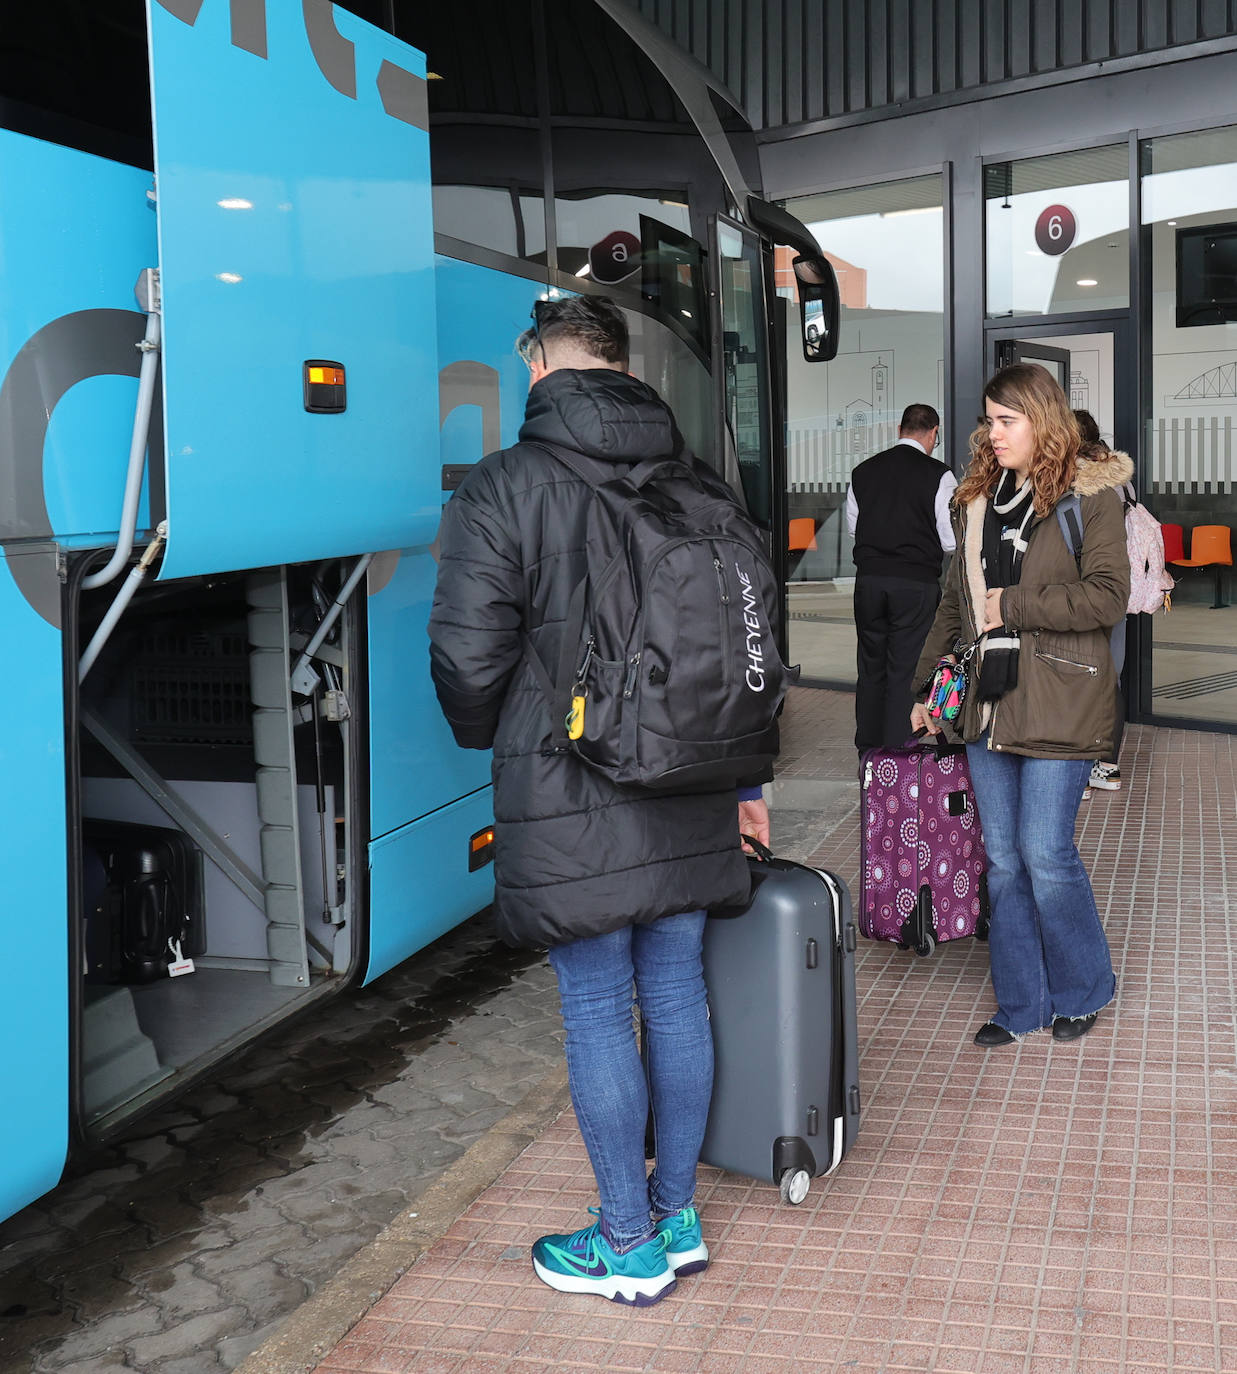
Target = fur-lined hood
(1107,469)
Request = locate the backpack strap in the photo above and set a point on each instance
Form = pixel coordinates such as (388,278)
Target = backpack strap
(584,468)
(1069,517)
(654,468)
(557,688)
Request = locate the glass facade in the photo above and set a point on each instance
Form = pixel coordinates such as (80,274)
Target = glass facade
(1057,232)
(886,244)
(1189,243)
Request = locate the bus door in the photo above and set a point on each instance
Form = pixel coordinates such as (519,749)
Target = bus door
(744,382)
(292,188)
(752,380)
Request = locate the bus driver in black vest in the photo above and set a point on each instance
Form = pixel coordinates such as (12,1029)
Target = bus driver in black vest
(897,510)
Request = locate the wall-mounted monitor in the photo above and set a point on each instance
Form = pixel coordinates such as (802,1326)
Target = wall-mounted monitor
(1206,274)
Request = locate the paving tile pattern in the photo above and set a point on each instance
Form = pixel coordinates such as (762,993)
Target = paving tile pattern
(180,1248)
(1045,1208)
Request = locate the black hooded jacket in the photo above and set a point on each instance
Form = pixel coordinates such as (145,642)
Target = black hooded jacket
(575,855)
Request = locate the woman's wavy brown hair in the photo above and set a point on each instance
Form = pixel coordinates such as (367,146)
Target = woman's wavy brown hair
(1032,391)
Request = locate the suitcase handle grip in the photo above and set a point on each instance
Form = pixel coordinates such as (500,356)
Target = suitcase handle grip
(761,851)
(938,742)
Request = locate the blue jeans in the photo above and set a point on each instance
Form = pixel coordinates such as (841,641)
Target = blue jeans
(1047,947)
(609,1087)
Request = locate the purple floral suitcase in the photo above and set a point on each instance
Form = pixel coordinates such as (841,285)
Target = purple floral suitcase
(924,866)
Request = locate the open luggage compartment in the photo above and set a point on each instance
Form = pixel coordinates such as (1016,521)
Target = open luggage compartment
(217,875)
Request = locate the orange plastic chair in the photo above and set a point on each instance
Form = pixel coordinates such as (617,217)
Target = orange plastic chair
(1174,542)
(802,533)
(800,537)
(1211,546)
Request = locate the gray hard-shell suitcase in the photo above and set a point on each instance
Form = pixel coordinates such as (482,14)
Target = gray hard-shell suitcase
(781,979)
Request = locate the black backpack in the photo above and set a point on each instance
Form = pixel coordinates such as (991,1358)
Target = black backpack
(669,676)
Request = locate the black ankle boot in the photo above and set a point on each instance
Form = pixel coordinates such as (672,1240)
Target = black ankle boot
(1072,1027)
(990,1034)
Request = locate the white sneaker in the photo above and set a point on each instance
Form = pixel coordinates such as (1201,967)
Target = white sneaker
(1106,776)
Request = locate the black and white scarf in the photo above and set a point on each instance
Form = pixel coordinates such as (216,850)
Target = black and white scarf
(1004,543)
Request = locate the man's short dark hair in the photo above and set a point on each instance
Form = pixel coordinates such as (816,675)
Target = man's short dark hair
(590,324)
(919,419)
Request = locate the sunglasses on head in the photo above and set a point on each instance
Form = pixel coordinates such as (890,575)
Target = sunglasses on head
(540,316)
(532,337)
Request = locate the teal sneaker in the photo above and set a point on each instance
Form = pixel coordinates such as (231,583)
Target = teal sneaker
(585,1262)
(686,1252)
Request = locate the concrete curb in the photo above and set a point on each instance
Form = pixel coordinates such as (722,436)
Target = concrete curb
(318,1325)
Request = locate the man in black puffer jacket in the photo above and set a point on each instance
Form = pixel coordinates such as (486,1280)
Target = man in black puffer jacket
(615,881)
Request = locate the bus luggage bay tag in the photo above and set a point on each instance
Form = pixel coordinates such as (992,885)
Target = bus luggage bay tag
(179,963)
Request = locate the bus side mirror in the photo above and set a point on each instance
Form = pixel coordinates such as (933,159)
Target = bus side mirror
(819,307)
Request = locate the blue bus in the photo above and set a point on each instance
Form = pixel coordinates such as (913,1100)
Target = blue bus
(263,266)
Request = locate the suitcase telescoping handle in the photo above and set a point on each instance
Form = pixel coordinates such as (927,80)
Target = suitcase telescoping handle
(761,851)
(942,745)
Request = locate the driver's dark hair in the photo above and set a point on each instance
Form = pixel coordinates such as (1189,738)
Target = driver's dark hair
(918,419)
(593,324)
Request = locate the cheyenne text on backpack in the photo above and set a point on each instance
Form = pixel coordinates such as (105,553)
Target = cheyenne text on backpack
(669,675)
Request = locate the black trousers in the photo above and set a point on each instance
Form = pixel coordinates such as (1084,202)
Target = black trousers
(892,618)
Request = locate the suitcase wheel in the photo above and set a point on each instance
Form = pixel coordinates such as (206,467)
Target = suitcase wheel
(793,1185)
(922,928)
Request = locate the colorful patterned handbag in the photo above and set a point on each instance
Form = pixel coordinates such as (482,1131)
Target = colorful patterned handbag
(948,686)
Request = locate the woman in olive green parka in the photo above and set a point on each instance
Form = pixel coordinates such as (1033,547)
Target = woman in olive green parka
(1043,697)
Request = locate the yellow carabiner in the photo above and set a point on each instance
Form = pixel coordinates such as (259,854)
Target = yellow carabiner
(575,718)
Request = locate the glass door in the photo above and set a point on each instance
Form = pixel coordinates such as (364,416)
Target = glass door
(1093,360)
(1055,360)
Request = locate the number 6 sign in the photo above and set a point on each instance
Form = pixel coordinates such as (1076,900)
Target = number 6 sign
(1055,229)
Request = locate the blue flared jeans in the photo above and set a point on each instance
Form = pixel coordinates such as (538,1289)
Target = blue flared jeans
(659,967)
(1047,946)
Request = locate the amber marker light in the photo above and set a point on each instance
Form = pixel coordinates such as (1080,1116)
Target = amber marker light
(324,385)
(481,849)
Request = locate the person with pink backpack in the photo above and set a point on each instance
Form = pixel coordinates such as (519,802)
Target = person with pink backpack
(1150,589)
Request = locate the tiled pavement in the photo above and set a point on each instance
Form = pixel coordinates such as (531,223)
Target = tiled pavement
(1029,1210)
(186,1244)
